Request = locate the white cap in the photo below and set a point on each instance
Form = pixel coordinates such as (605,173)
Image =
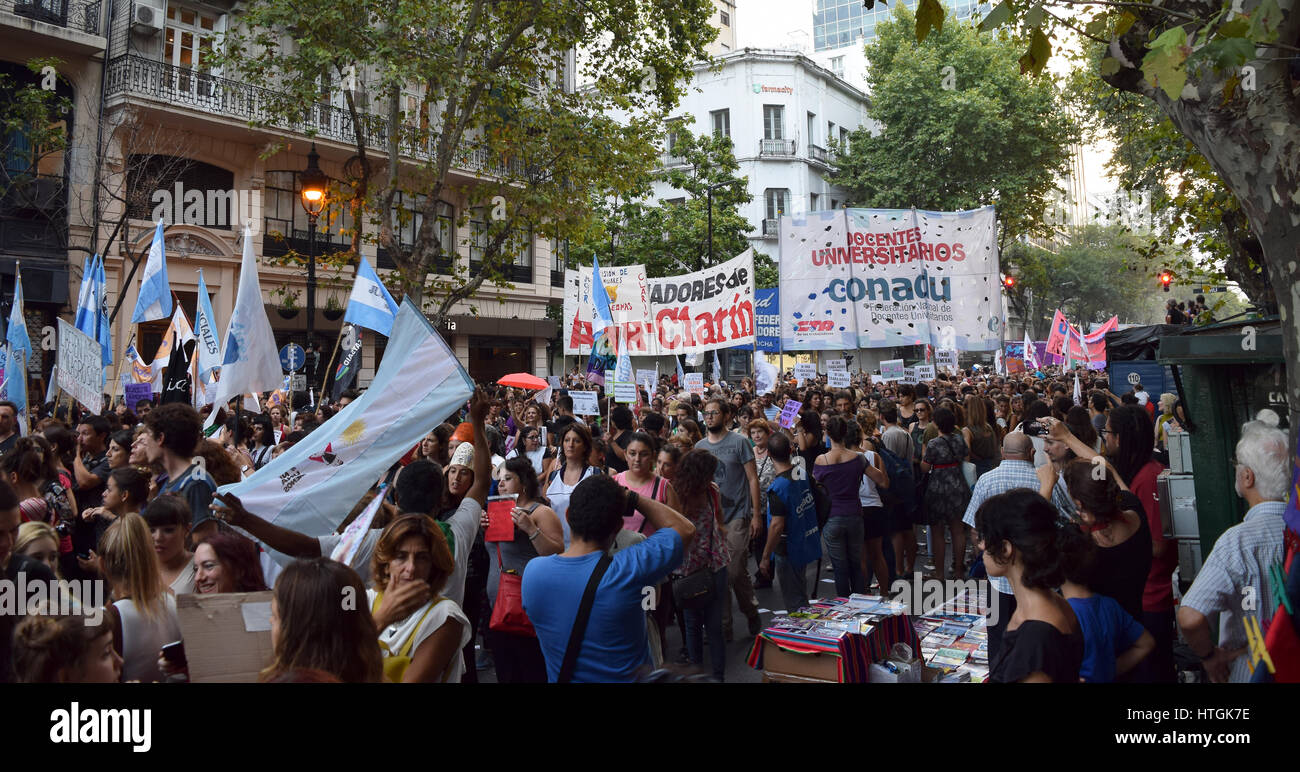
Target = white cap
(464,455)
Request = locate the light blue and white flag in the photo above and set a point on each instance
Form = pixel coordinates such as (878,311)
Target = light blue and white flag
(208,348)
(681,375)
(18,349)
(311,487)
(155,299)
(603,356)
(250,361)
(370,305)
(92,309)
(717,368)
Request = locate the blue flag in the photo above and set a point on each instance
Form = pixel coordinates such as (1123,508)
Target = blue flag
(18,349)
(92,308)
(602,324)
(370,305)
(208,346)
(311,487)
(155,299)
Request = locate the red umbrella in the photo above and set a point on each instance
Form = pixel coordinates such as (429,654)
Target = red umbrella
(523,381)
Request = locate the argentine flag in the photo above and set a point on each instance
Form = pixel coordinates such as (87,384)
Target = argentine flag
(208,351)
(250,361)
(18,350)
(602,319)
(370,305)
(155,299)
(312,486)
(92,312)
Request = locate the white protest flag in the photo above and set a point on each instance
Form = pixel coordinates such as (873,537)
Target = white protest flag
(249,361)
(1078,391)
(312,486)
(1031,357)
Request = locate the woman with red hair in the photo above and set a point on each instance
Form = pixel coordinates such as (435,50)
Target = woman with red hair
(227,562)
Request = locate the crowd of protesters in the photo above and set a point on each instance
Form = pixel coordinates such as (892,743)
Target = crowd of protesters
(638,531)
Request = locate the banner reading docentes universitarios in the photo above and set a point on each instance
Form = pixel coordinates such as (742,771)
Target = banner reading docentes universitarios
(693,313)
(875,278)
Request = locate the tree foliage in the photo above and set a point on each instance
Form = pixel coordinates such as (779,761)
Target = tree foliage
(431,87)
(958,127)
(672,237)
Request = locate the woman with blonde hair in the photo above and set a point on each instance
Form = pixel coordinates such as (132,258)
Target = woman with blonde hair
(40,542)
(146,608)
(312,630)
(421,643)
(980,436)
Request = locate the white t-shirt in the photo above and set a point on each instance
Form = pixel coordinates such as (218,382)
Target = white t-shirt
(394,637)
(143,638)
(558,493)
(868,496)
(464,524)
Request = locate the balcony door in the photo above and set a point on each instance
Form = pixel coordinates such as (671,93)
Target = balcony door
(191,35)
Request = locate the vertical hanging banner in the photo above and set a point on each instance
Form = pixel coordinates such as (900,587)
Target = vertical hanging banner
(689,314)
(876,278)
(767,318)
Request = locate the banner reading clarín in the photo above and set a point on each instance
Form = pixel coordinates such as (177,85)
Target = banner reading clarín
(876,278)
(688,314)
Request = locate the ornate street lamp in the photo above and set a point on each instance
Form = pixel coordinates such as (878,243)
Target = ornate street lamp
(315,184)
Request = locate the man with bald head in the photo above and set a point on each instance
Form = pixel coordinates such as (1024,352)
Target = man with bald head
(1015,471)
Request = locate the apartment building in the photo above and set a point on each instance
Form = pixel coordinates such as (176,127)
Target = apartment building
(164,133)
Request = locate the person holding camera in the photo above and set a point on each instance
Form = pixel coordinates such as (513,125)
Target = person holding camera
(587,606)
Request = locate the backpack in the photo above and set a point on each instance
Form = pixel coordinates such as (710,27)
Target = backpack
(802,536)
(821,496)
(901,491)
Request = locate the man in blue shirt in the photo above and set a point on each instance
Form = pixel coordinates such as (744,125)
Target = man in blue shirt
(172,434)
(614,646)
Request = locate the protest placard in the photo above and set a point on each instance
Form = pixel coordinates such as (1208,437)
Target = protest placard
(892,369)
(227,635)
(836,364)
(804,372)
(585,403)
(695,383)
(909,375)
(81,370)
(789,413)
(837,379)
(134,392)
(924,372)
(946,358)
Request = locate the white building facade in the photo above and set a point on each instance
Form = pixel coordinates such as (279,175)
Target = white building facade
(785,116)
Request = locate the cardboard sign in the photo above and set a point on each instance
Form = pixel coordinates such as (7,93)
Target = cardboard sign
(585,403)
(804,372)
(501,526)
(648,378)
(790,413)
(909,375)
(924,372)
(946,358)
(695,383)
(81,370)
(837,379)
(227,635)
(134,392)
(892,369)
(836,364)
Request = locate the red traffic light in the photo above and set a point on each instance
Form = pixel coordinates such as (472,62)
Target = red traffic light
(1165,278)
(1008,281)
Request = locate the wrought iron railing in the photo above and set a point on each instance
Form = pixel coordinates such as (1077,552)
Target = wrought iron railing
(818,153)
(781,147)
(134,75)
(770,228)
(69,14)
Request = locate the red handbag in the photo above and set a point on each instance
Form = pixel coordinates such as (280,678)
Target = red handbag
(508,614)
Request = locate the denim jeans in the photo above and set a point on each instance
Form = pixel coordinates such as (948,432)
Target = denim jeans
(842,540)
(709,619)
(792,581)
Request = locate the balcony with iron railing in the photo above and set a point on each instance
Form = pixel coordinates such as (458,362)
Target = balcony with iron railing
(137,76)
(819,154)
(770,227)
(668,160)
(785,148)
(77,15)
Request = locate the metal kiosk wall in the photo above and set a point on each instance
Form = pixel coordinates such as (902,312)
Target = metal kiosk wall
(1225,374)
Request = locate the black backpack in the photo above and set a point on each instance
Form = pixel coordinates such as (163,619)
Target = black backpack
(821,497)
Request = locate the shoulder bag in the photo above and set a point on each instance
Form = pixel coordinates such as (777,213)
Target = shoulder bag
(508,615)
(695,589)
(570,662)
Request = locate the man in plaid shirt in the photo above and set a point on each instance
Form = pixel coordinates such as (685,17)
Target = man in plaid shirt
(1234,583)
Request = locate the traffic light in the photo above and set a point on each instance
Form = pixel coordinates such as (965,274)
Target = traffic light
(1009,282)
(1165,278)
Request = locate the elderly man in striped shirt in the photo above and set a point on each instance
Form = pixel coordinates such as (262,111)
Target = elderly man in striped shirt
(1234,582)
(1015,471)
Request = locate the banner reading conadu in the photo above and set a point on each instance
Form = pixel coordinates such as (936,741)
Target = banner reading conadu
(687,314)
(875,278)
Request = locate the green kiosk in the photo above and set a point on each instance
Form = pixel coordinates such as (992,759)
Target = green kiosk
(1225,374)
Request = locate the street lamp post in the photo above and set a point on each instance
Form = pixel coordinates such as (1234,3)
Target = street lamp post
(709,195)
(314,184)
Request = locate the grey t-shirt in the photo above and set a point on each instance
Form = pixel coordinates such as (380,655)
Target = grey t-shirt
(732,452)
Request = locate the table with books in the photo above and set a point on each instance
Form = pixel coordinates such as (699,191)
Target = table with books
(954,640)
(832,640)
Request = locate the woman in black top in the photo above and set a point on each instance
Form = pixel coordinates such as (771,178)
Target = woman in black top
(1024,542)
(1123,537)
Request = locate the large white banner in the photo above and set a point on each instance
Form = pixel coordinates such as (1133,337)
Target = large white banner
(876,278)
(688,314)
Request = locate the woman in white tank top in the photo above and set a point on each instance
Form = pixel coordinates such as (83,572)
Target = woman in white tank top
(145,607)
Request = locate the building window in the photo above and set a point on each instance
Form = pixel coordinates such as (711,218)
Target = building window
(813,198)
(834,204)
(725,18)
(721,123)
(837,66)
(812,128)
(777,201)
(844,138)
(679,201)
(189,37)
(830,131)
(773,122)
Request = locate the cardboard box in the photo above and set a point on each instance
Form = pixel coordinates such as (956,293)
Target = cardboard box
(227,636)
(786,678)
(817,666)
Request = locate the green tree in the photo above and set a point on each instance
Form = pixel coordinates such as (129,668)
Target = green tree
(479,85)
(1099,272)
(672,237)
(958,128)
